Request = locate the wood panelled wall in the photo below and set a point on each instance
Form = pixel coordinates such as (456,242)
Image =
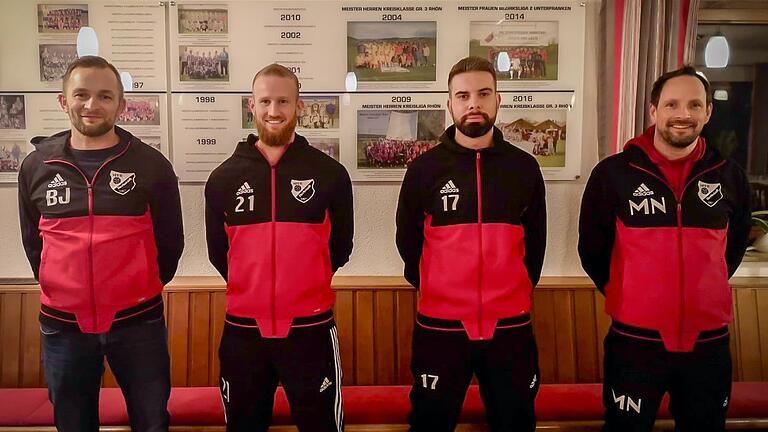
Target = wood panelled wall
(375,317)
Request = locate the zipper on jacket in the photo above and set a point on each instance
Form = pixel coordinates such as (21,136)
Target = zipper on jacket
(90,254)
(89,184)
(480,243)
(679,208)
(274,253)
(682,266)
(273,223)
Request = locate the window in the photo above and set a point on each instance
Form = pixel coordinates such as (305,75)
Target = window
(739,124)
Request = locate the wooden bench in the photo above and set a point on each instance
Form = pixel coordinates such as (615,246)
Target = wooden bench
(559,407)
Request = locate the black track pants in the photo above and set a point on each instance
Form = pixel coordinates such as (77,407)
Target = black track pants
(639,371)
(307,363)
(443,363)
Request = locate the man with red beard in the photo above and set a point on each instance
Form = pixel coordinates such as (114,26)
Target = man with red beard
(101,225)
(279,223)
(471,229)
(663,226)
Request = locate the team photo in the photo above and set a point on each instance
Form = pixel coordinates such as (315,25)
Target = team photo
(12,152)
(532,47)
(541,133)
(320,112)
(54,59)
(329,146)
(203,63)
(392,139)
(140,110)
(392,51)
(202,20)
(61,18)
(150,140)
(12,112)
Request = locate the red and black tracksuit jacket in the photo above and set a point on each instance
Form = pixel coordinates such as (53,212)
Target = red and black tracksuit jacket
(102,249)
(663,260)
(471,229)
(278,233)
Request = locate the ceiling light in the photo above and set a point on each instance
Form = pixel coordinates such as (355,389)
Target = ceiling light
(716,53)
(503,63)
(721,95)
(87,42)
(350,82)
(127,80)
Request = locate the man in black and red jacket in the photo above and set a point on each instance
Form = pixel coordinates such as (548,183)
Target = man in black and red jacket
(279,223)
(101,225)
(663,226)
(471,229)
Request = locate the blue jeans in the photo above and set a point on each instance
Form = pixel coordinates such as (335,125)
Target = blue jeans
(137,353)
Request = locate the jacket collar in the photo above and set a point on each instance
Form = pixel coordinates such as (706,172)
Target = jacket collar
(247,148)
(637,156)
(56,147)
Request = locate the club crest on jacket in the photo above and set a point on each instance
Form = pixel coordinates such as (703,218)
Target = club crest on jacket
(122,183)
(710,193)
(303,190)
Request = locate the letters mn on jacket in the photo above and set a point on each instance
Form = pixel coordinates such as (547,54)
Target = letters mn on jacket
(663,261)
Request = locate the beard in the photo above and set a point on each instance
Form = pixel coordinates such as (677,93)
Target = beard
(680,141)
(475,129)
(92,130)
(278,138)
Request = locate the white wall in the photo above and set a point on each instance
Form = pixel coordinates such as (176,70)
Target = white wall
(375,252)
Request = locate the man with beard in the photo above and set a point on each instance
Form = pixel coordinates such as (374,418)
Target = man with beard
(101,225)
(279,223)
(663,226)
(471,229)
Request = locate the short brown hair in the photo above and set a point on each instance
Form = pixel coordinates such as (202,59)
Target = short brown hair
(277,70)
(471,64)
(92,62)
(658,86)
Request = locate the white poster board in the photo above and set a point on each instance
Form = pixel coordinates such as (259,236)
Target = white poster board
(131,35)
(349,56)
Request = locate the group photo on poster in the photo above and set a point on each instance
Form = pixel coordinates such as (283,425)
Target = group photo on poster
(319,112)
(153,141)
(541,133)
(203,63)
(61,18)
(389,139)
(12,152)
(12,112)
(54,60)
(203,20)
(531,46)
(392,51)
(329,146)
(140,110)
